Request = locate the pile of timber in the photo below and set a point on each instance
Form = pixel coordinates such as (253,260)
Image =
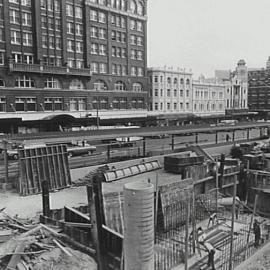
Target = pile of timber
(28,246)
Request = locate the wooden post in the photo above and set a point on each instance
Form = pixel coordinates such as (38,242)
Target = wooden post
(247,180)
(251,221)
(156,202)
(247,134)
(172,142)
(232,224)
(45,198)
(196,138)
(108,152)
(144,146)
(217,187)
(96,216)
(221,169)
(186,237)
(233,136)
(6,164)
(216,137)
(193,218)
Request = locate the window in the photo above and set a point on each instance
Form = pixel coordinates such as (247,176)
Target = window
(113,51)
(169,80)
(24,82)
(94,48)
(43,22)
(139,55)
(139,26)
(2,58)
(69,10)
(181,81)
(3,102)
(26,19)
(15,37)
(16,57)
(26,3)
(56,5)
(133,54)
(139,41)
(58,43)
(156,79)
(102,33)
(133,6)
(78,12)
(79,47)
(76,84)
(113,35)
(132,25)
(123,22)
(52,83)
(187,93)
(118,52)
(140,71)
(94,67)
(70,28)
(51,42)
(71,62)
(140,9)
(73,104)
(58,104)
(27,39)
(14,16)
(93,32)
(174,92)
(19,104)
(114,69)
(156,92)
(14,1)
(181,93)
(2,38)
(117,21)
(79,63)
(112,19)
(102,49)
(175,106)
(79,29)
(187,82)
(119,86)
(48,104)
(187,106)
(168,106)
(124,53)
(168,92)
(133,40)
(102,68)
(137,87)
(93,15)
(71,45)
(102,17)
(100,85)
(133,71)
(50,23)
(28,58)
(81,104)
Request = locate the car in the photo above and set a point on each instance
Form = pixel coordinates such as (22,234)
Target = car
(80,150)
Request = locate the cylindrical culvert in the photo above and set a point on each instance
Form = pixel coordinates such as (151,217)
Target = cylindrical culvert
(139,226)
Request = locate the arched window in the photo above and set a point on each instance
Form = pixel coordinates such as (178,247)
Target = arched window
(24,82)
(119,86)
(76,84)
(124,5)
(52,83)
(182,81)
(168,80)
(175,80)
(100,85)
(133,6)
(137,87)
(140,9)
(2,83)
(187,81)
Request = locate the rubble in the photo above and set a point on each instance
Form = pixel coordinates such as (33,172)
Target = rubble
(25,245)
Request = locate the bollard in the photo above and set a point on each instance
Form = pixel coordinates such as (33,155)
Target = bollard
(139,226)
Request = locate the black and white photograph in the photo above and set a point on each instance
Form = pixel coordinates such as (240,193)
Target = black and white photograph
(134,135)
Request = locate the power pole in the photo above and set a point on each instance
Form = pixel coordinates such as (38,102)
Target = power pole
(6,164)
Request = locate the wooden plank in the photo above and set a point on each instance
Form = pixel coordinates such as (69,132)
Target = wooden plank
(39,179)
(73,215)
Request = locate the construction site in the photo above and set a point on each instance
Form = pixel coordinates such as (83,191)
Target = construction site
(183,210)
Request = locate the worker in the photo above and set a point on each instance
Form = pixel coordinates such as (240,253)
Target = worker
(201,236)
(211,255)
(257,232)
(212,219)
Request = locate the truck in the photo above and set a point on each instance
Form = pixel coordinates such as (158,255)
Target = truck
(80,148)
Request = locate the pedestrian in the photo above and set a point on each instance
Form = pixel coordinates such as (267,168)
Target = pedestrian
(227,137)
(211,255)
(212,219)
(257,232)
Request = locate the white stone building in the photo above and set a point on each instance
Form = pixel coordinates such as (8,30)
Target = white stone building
(170,91)
(208,97)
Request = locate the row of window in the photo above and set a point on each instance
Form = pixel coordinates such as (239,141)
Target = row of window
(119,52)
(51,5)
(51,42)
(17,17)
(98,16)
(96,32)
(22,2)
(136,25)
(74,12)
(73,46)
(136,55)
(29,104)
(100,49)
(18,38)
(213,107)
(53,83)
(206,94)
(159,93)
(51,23)
(169,80)
(171,106)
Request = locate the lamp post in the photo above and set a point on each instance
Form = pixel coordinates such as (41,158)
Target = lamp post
(97,114)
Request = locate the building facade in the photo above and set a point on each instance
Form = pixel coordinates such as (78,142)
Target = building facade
(258,90)
(69,60)
(170,92)
(208,97)
(236,94)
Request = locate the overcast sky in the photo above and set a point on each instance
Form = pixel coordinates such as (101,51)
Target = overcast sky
(205,35)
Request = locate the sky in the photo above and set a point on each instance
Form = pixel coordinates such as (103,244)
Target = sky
(206,35)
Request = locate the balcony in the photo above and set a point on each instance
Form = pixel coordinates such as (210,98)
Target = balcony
(35,68)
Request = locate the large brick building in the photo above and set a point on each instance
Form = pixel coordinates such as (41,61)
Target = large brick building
(62,61)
